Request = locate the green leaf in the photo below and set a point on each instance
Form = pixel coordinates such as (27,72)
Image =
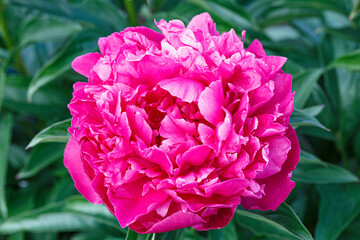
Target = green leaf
(39,29)
(96,235)
(40,157)
(317,132)
(233,15)
(312,170)
(61,62)
(314,110)
(17,236)
(17,156)
(98,213)
(2,86)
(339,206)
(56,132)
(344,33)
(350,61)
(47,219)
(5,139)
(303,83)
(282,223)
(300,118)
(131,235)
(48,103)
(176,234)
(226,233)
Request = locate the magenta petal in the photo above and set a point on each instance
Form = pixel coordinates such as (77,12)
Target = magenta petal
(278,148)
(187,90)
(129,209)
(211,102)
(138,124)
(73,163)
(148,33)
(227,188)
(195,156)
(218,220)
(175,221)
(204,23)
(84,63)
(257,48)
(278,186)
(274,63)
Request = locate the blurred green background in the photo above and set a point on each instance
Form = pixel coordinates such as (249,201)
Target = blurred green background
(40,38)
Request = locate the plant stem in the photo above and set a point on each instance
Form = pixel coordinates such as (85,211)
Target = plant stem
(130,8)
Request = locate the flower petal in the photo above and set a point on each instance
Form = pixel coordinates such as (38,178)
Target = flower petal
(72,161)
(83,64)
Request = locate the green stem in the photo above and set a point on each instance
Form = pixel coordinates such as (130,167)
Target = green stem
(130,8)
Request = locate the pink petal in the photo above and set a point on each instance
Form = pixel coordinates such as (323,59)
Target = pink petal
(257,48)
(274,63)
(227,188)
(211,102)
(278,149)
(72,161)
(138,124)
(83,64)
(245,80)
(187,90)
(218,220)
(278,186)
(128,210)
(203,23)
(195,156)
(175,221)
(147,32)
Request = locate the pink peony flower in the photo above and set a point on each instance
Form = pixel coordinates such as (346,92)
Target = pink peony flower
(177,129)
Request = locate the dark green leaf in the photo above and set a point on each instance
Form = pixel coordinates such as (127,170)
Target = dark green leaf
(56,132)
(226,233)
(131,235)
(236,17)
(339,206)
(350,61)
(312,170)
(5,139)
(313,110)
(344,33)
(317,132)
(2,86)
(98,213)
(300,118)
(39,29)
(303,83)
(282,223)
(17,156)
(47,103)
(48,222)
(352,231)
(62,61)
(94,236)
(40,157)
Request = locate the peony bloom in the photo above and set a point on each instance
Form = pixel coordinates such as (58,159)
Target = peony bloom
(177,129)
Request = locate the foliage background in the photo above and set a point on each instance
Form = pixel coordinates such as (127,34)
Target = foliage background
(39,39)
